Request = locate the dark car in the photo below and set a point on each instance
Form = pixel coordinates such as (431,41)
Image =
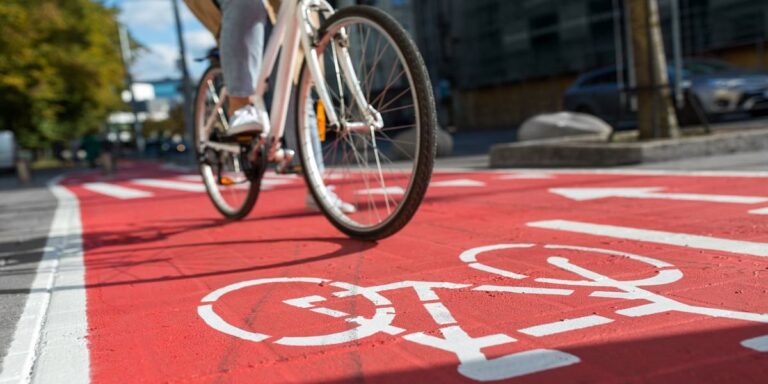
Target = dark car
(718,88)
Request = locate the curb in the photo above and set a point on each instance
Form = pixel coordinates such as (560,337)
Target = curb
(588,152)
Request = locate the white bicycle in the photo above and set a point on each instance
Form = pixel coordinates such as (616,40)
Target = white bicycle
(364,105)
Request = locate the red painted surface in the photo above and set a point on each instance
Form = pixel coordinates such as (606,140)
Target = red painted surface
(150,262)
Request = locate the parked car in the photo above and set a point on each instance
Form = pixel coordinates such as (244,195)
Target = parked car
(7,150)
(717,87)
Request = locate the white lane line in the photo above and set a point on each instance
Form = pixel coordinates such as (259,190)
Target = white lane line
(382,191)
(527,176)
(49,344)
(524,290)
(658,237)
(762,211)
(457,183)
(170,184)
(759,344)
(566,326)
(440,313)
(265,182)
(586,194)
(304,302)
(116,191)
(330,312)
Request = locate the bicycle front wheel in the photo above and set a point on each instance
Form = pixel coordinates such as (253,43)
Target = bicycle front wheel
(368,182)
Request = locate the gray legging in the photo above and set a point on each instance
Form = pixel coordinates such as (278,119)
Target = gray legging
(242,48)
(242,44)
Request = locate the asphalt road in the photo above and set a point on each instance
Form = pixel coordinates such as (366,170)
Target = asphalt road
(153,260)
(25,219)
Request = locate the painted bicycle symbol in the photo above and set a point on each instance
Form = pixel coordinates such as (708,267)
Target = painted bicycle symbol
(452,338)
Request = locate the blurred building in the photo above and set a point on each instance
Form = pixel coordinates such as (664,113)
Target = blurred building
(495,63)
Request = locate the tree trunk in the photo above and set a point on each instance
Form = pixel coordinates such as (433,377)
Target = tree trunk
(656,114)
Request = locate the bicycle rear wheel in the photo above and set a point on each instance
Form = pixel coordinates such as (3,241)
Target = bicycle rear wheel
(232,180)
(383,172)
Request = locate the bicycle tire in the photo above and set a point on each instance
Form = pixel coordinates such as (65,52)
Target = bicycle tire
(242,210)
(426,126)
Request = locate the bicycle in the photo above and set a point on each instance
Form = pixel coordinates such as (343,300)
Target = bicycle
(365,119)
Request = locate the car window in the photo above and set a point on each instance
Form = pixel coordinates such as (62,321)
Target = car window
(605,78)
(706,67)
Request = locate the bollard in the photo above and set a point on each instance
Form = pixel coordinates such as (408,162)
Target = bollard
(107,164)
(22,172)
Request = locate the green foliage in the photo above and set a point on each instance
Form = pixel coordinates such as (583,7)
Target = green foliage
(60,68)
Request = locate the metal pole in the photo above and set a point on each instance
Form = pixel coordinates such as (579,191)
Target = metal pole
(618,44)
(186,84)
(125,51)
(631,70)
(677,46)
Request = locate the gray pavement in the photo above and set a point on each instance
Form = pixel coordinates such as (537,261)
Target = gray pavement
(748,161)
(25,219)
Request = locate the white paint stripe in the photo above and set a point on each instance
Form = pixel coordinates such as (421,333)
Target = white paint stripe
(465,183)
(527,176)
(275,182)
(524,290)
(382,191)
(616,172)
(49,343)
(169,184)
(440,313)
(330,312)
(566,326)
(210,317)
(762,211)
(116,191)
(759,344)
(658,237)
(304,302)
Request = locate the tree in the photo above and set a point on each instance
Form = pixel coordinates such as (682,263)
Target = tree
(60,69)
(656,114)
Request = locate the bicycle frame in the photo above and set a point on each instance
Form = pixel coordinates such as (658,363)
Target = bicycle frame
(294,28)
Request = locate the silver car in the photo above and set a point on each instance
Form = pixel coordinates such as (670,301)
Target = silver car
(718,88)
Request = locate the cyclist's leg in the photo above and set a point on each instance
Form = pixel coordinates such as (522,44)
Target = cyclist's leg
(242,47)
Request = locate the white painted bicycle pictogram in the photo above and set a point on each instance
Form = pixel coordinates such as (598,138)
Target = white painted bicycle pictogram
(452,338)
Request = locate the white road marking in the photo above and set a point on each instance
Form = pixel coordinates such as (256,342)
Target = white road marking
(759,344)
(524,290)
(382,191)
(440,313)
(270,183)
(170,184)
(762,211)
(330,312)
(658,237)
(585,194)
(470,257)
(304,302)
(51,334)
(527,176)
(457,183)
(116,191)
(566,326)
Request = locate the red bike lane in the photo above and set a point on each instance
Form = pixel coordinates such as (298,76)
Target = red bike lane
(520,276)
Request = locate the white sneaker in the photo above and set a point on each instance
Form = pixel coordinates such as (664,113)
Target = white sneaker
(343,206)
(245,121)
